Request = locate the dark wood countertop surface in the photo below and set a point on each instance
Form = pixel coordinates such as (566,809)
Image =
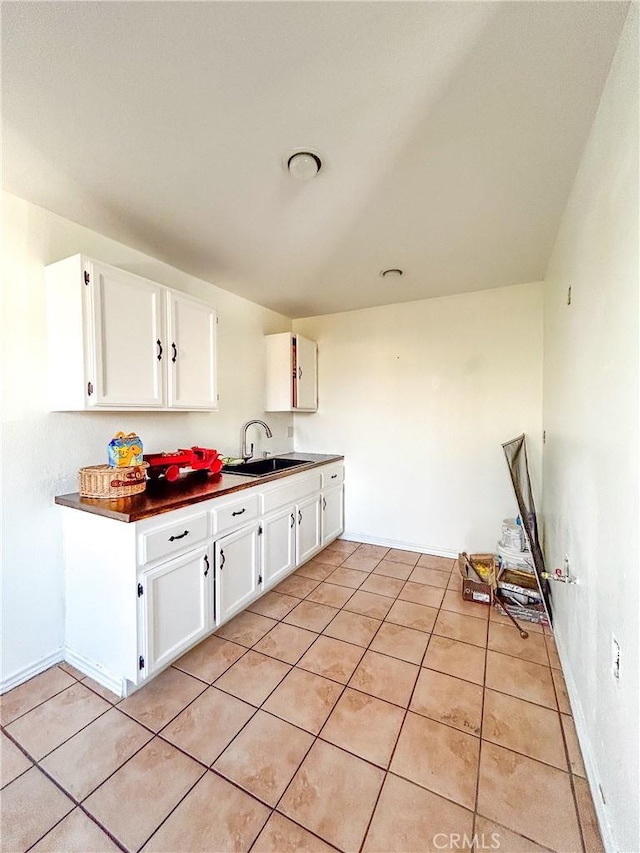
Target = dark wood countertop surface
(161,496)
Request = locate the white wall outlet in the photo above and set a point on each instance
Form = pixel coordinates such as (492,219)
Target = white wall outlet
(615,658)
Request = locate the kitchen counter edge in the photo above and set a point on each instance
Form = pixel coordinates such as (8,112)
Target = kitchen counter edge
(161,496)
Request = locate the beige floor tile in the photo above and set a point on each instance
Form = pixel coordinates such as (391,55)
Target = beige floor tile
(345,576)
(311,615)
(264,756)
(162,699)
(448,700)
(329,593)
(492,836)
(197,827)
(369,604)
(523,727)
(421,593)
(441,564)
(253,677)
(439,758)
(400,642)
(561,691)
(274,605)
(330,557)
(77,833)
(505,639)
(88,758)
(528,797)
(247,628)
(455,658)
(523,679)
(33,692)
(587,817)
(318,571)
(304,699)
(385,677)
(296,585)
(210,658)
(573,746)
(365,726)
(554,660)
(412,615)
(332,658)
(286,643)
(392,569)
(432,577)
(140,795)
(360,562)
(333,795)
(342,546)
(352,628)
(454,602)
(398,555)
(378,552)
(71,670)
(103,692)
(409,818)
(206,727)
(22,822)
(48,725)
(282,835)
(467,629)
(13,762)
(382,585)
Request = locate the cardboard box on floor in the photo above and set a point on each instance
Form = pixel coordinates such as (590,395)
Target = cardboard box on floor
(474,568)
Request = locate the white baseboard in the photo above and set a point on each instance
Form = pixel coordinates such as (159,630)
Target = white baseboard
(93,670)
(28,672)
(590,765)
(392,543)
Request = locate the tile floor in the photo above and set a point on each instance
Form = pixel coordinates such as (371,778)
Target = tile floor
(361,705)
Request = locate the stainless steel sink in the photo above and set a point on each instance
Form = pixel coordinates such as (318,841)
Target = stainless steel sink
(262,467)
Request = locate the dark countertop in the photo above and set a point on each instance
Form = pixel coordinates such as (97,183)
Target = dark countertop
(161,496)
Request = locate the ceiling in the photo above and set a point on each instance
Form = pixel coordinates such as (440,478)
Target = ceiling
(450,134)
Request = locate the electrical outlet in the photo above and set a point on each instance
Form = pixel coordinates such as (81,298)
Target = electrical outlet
(615,658)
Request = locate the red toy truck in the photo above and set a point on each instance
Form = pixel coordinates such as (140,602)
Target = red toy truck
(195,458)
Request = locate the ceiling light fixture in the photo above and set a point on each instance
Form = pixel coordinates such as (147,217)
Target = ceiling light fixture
(304,165)
(392,273)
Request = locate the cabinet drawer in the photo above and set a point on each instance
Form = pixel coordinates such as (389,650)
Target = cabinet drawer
(290,494)
(173,538)
(332,475)
(235,514)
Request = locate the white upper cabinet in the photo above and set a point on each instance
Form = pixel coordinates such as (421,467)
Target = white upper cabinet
(191,337)
(292,368)
(118,341)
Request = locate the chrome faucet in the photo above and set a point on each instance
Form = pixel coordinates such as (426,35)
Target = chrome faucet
(247,455)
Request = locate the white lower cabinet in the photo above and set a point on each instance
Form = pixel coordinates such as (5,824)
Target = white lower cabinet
(332,514)
(278,546)
(309,531)
(237,577)
(177,607)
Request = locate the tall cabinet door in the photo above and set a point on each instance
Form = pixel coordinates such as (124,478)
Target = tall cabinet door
(308,537)
(177,601)
(332,514)
(128,339)
(236,559)
(278,546)
(191,339)
(307,385)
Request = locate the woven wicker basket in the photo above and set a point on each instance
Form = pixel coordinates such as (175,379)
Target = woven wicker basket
(103,481)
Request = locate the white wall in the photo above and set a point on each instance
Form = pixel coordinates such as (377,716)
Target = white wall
(591,456)
(419,397)
(42,451)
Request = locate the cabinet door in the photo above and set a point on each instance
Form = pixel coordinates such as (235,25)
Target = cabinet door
(128,339)
(236,559)
(308,535)
(332,514)
(306,376)
(278,546)
(176,599)
(191,353)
